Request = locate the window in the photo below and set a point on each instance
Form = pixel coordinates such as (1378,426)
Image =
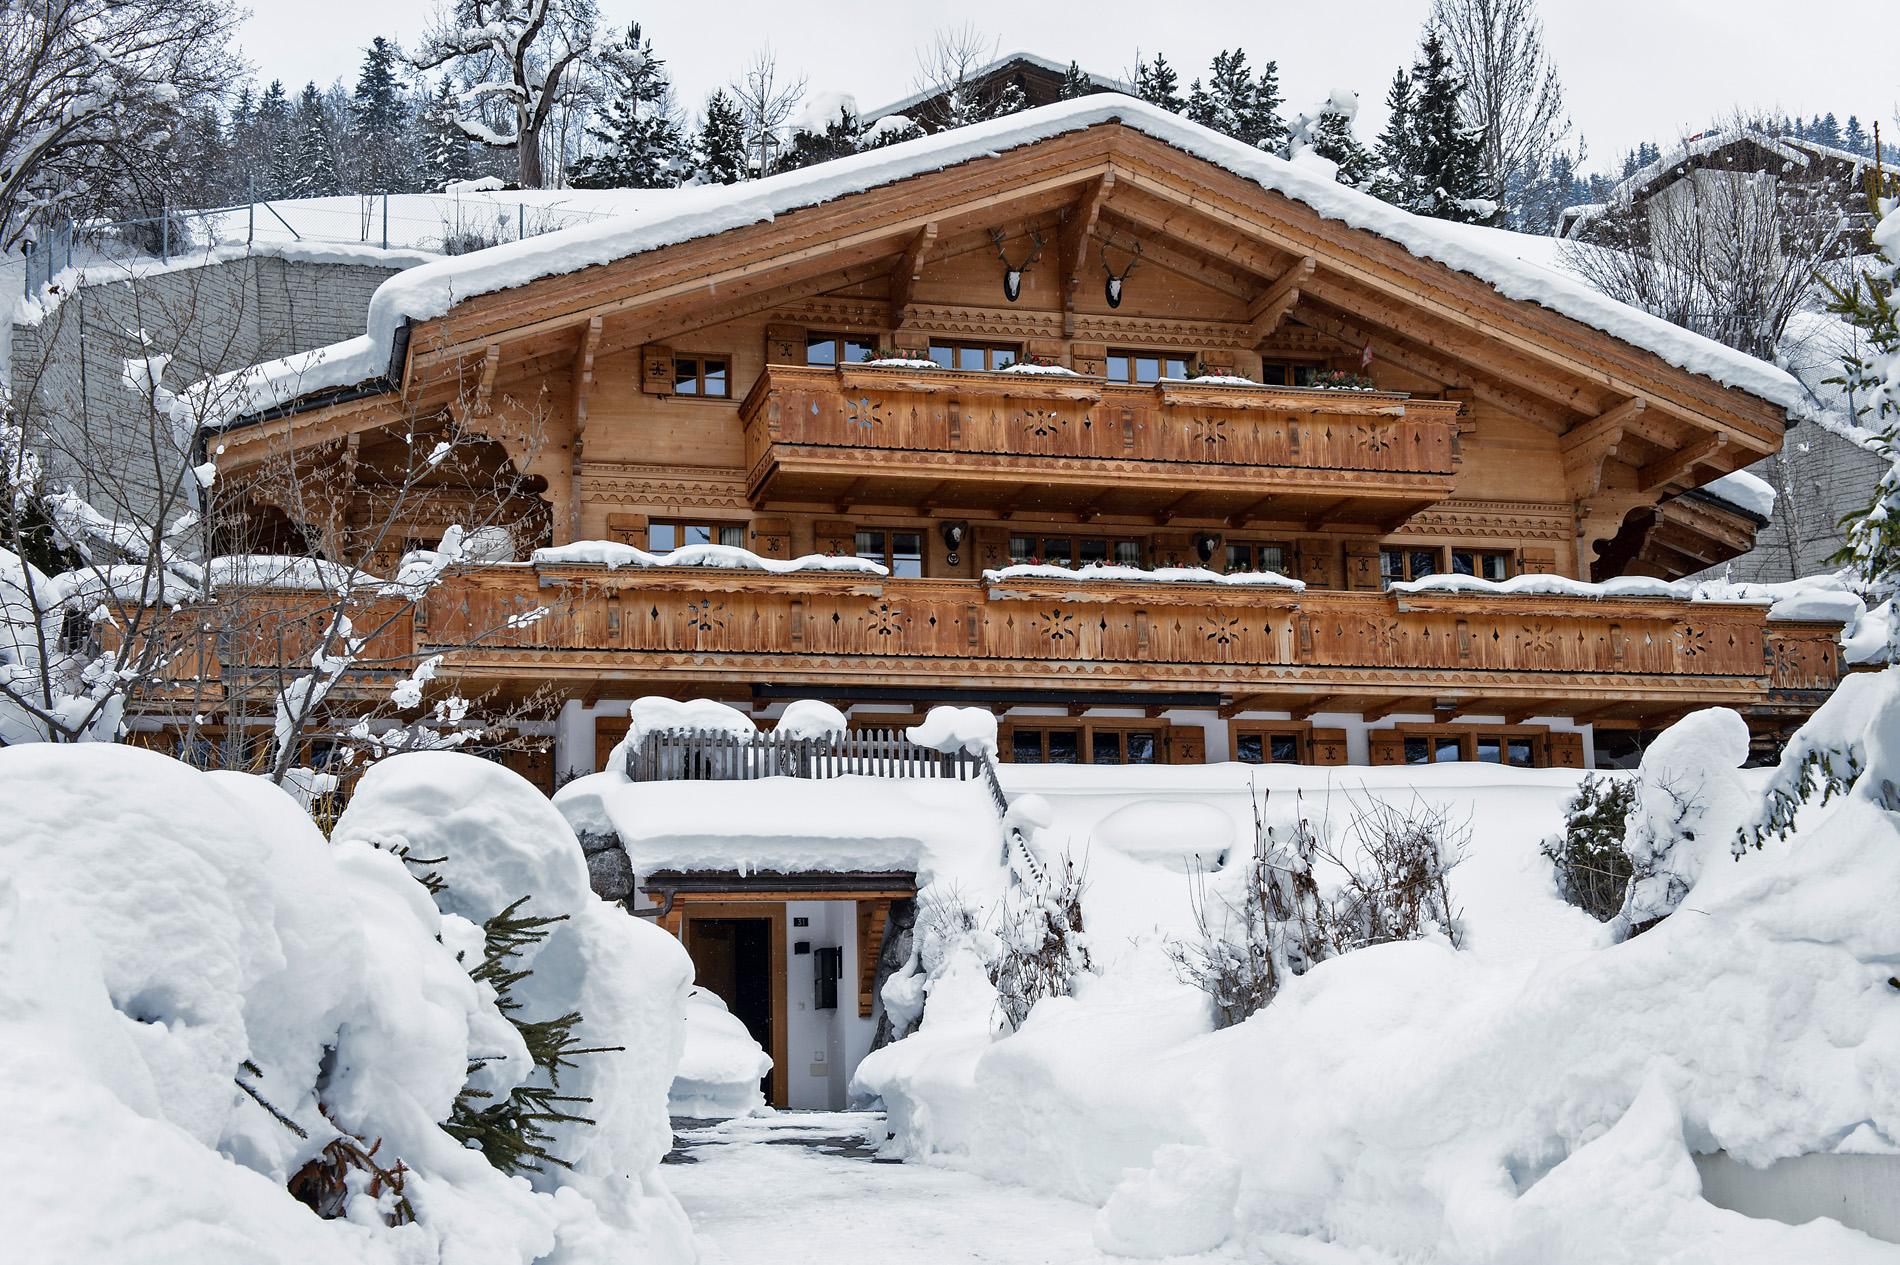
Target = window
(1270,746)
(901,551)
(1145,366)
(960,355)
(1285,373)
(1257,556)
(1075,551)
(1084,744)
(1521,748)
(1407,564)
(664,537)
(707,376)
(1486,564)
(835,349)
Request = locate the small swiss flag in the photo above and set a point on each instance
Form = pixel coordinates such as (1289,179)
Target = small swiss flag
(1365,356)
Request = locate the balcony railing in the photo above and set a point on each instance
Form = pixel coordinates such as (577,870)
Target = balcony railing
(816,434)
(819,629)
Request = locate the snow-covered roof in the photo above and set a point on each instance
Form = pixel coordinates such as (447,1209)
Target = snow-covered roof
(431,290)
(1105,82)
(1744,491)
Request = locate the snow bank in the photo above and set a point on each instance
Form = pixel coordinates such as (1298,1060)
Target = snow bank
(1112,574)
(613,555)
(429,291)
(179,948)
(1535,1095)
(493,839)
(721,1065)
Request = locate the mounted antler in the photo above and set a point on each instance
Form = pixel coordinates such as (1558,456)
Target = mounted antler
(1114,286)
(1013,273)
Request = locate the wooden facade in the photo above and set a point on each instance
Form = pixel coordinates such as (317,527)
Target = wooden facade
(713,389)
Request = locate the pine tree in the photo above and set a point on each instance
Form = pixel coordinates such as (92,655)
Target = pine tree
(444,145)
(642,145)
(313,164)
(1235,104)
(840,139)
(1261,125)
(1433,164)
(1855,137)
(719,151)
(1074,83)
(1333,139)
(271,142)
(1157,84)
(379,122)
(1829,131)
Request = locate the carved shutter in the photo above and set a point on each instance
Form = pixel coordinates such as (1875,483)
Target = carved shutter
(990,546)
(772,537)
(628,529)
(784,345)
(1328,746)
(1566,750)
(835,536)
(1088,358)
(1362,566)
(1388,746)
(1315,563)
(656,369)
(1539,562)
(1187,744)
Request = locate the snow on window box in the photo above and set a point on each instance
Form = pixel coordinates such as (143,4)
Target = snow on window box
(897,362)
(1111,574)
(1043,367)
(614,555)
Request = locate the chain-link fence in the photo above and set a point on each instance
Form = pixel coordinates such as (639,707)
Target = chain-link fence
(438,223)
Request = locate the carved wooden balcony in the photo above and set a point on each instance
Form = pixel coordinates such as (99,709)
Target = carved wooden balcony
(1274,648)
(1064,444)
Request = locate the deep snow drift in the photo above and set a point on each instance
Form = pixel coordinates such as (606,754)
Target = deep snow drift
(174,942)
(1533,1096)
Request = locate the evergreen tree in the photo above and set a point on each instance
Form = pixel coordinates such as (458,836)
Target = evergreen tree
(1262,125)
(1828,130)
(270,143)
(1075,83)
(719,151)
(1157,84)
(1855,137)
(1432,163)
(840,139)
(1234,103)
(642,144)
(444,145)
(312,172)
(379,122)
(1333,138)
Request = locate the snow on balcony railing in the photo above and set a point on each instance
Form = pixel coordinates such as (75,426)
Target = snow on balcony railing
(613,555)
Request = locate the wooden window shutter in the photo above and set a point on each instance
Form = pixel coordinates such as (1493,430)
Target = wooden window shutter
(1388,746)
(1327,746)
(1315,563)
(1539,562)
(1175,549)
(1566,750)
(1187,744)
(1362,566)
(990,545)
(772,537)
(628,529)
(656,369)
(835,536)
(1089,358)
(784,345)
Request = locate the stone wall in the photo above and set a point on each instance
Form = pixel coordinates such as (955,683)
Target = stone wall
(1818,477)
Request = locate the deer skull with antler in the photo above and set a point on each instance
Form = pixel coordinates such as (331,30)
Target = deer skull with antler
(1013,273)
(1113,287)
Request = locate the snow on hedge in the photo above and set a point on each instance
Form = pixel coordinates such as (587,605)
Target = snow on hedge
(178,948)
(431,290)
(1536,1094)
(614,555)
(1115,574)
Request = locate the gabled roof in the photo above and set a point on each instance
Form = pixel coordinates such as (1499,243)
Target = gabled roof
(1105,83)
(432,290)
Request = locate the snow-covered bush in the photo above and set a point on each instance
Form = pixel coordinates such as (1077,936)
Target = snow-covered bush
(1689,799)
(1593,870)
(1044,947)
(1394,886)
(1252,940)
(200,998)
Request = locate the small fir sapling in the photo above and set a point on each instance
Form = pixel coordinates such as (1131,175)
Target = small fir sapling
(1593,870)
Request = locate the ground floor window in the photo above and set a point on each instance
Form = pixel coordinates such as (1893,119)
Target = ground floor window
(1269,746)
(1035,743)
(1520,747)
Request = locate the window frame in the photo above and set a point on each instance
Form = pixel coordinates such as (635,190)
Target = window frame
(699,391)
(1085,732)
(1507,556)
(1289,564)
(1267,730)
(1467,737)
(683,525)
(1141,544)
(839,342)
(1288,370)
(889,556)
(1134,354)
(991,351)
(1408,552)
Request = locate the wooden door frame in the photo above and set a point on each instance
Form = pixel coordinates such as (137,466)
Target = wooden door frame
(773,913)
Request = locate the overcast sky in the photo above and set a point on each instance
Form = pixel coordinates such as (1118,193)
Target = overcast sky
(1633,69)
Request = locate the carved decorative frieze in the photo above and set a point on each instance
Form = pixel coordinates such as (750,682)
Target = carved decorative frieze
(1518,520)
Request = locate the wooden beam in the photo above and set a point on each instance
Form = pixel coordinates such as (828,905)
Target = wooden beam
(910,270)
(1325,703)
(485,379)
(1267,310)
(1188,261)
(1077,229)
(1673,465)
(850,496)
(1393,706)
(1172,510)
(1242,517)
(1587,448)
(1243,702)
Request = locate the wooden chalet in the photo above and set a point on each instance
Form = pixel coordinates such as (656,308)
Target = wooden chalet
(702,379)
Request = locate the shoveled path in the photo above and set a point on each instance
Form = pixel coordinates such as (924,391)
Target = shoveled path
(806,1188)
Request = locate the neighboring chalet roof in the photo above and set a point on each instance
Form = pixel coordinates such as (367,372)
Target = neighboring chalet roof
(1040,70)
(432,290)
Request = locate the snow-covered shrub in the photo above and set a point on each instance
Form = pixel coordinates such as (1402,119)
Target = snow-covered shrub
(1262,924)
(1395,884)
(1593,870)
(1044,947)
(1689,799)
(721,1066)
